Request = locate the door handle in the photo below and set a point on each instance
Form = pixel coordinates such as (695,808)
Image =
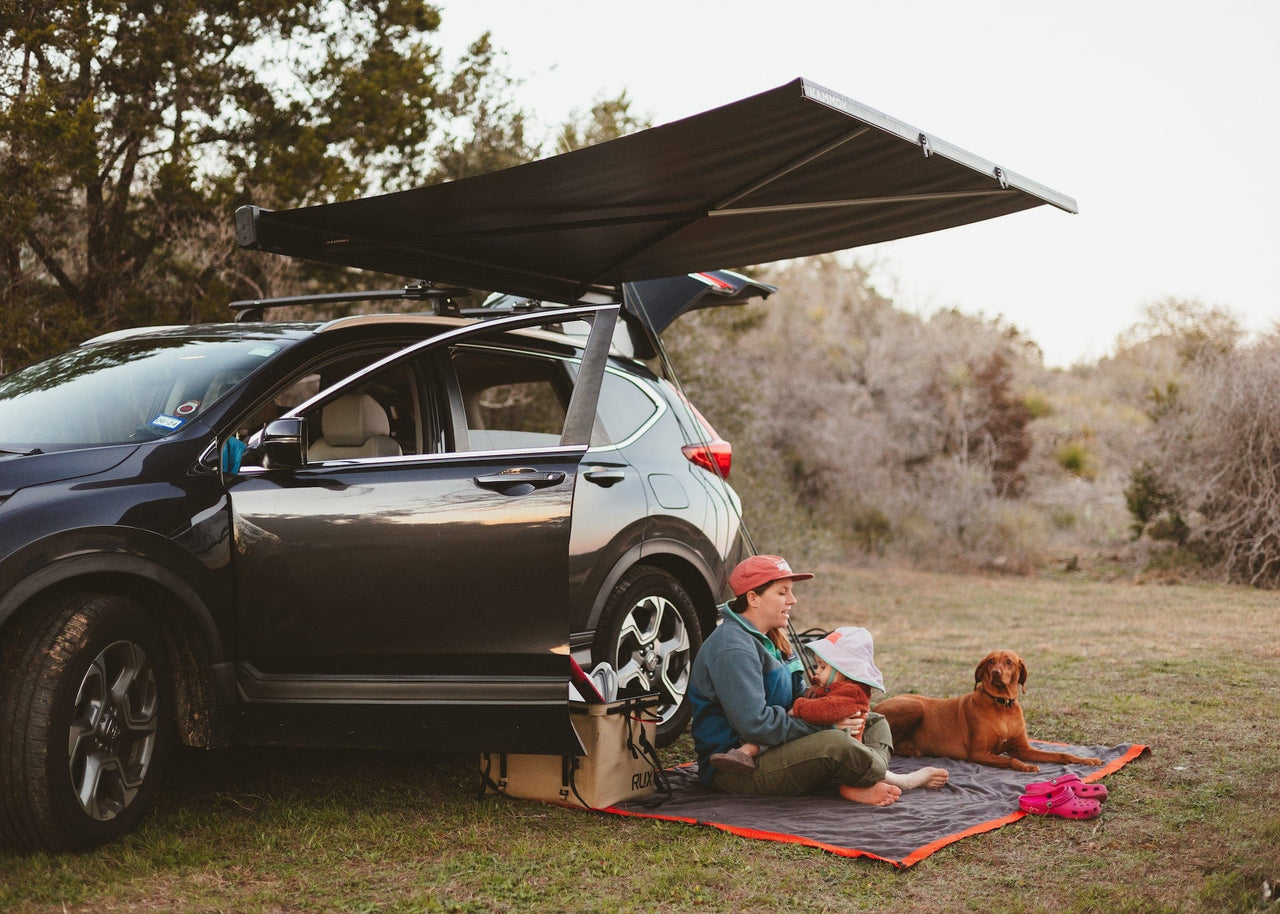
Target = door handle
(519,480)
(605,476)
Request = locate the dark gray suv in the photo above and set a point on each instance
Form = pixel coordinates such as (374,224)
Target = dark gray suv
(390,530)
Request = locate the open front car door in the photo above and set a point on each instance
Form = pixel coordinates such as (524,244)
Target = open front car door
(402,545)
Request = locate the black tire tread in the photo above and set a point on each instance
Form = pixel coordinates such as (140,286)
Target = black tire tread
(35,659)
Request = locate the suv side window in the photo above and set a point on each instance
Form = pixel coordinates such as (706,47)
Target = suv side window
(623,410)
(510,401)
(379,417)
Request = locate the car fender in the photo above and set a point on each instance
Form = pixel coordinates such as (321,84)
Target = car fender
(128,552)
(672,555)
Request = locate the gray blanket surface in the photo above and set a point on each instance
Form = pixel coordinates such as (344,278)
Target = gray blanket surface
(977,798)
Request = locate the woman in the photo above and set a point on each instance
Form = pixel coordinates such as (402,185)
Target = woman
(742,688)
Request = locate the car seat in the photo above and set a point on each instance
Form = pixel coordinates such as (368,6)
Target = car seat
(353,426)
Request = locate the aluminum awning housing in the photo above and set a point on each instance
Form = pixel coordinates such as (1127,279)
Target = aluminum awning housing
(794,171)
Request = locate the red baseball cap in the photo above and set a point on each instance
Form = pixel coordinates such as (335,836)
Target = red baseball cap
(759,570)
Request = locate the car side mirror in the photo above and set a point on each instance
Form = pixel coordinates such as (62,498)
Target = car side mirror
(284,443)
(281,445)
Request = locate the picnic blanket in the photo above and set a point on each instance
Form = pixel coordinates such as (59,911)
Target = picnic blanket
(977,798)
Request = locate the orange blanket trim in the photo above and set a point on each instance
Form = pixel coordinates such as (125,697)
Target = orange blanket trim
(920,853)
(778,837)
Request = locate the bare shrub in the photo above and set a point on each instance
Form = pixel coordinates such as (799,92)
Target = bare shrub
(1219,456)
(1018,537)
(1094,424)
(893,432)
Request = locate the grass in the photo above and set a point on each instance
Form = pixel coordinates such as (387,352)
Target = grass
(1192,671)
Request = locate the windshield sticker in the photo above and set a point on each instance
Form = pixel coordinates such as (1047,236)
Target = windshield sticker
(264,351)
(169,422)
(186,409)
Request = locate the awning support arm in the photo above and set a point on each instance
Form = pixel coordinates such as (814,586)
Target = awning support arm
(788,168)
(858,201)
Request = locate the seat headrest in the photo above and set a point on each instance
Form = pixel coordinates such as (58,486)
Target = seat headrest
(352,420)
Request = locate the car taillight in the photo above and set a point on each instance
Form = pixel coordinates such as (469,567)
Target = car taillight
(716,456)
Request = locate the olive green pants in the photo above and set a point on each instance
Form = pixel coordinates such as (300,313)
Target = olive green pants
(813,761)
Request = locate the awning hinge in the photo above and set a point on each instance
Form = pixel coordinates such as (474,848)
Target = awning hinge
(924,145)
(1004,182)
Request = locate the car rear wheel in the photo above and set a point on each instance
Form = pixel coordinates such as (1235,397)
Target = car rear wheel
(85,723)
(649,633)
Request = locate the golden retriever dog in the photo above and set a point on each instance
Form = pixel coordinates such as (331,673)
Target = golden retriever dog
(984,726)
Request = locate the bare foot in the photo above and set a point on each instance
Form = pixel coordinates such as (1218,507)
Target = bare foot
(879,794)
(924,777)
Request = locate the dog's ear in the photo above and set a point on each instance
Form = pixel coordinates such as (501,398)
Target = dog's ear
(1022,675)
(978,674)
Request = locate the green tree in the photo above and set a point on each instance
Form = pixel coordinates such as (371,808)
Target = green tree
(607,119)
(130,130)
(487,130)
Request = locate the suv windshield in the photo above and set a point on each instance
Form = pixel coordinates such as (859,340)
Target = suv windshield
(123,391)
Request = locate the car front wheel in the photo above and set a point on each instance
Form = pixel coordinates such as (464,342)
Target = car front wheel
(84,723)
(649,633)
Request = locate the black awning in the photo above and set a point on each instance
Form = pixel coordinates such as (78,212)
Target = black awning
(794,171)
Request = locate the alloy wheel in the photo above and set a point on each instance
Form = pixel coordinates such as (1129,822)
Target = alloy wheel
(112,737)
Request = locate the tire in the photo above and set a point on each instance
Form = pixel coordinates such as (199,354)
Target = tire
(85,723)
(649,633)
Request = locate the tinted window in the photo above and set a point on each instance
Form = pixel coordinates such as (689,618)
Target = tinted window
(511,401)
(377,417)
(623,409)
(123,391)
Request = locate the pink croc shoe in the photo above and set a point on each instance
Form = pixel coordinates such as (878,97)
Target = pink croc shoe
(1059,802)
(1071,779)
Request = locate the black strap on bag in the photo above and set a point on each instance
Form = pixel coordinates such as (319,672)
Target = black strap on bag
(640,747)
(569,779)
(488,784)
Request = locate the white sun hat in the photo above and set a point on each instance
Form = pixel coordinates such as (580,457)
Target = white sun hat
(851,651)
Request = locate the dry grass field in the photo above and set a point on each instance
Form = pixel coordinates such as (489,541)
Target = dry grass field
(1191,671)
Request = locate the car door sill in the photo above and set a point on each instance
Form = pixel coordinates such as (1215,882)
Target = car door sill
(256,686)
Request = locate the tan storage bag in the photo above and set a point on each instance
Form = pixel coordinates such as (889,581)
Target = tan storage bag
(620,762)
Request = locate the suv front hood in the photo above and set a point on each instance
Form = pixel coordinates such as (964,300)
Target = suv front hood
(794,171)
(18,471)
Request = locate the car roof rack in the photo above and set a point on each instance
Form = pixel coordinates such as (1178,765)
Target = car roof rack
(440,297)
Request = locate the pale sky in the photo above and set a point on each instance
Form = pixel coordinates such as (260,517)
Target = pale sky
(1160,118)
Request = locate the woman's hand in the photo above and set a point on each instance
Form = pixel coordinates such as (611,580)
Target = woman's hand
(854,725)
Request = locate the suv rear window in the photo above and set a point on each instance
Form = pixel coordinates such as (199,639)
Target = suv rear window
(624,409)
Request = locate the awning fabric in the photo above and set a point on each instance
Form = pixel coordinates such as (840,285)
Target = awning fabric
(794,171)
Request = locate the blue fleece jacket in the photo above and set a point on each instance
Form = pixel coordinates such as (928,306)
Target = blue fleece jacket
(740,691)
